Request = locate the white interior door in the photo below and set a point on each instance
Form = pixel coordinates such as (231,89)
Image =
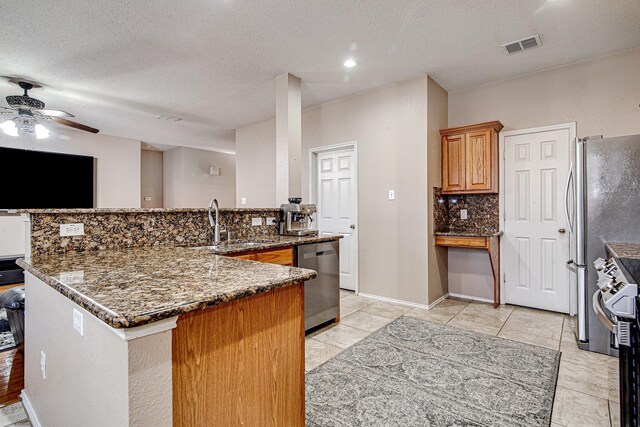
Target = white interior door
(535,231)
(336,199)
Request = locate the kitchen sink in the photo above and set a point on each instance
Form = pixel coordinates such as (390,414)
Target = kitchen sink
(234,245)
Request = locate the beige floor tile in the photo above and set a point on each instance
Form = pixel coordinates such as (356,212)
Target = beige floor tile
(571,351)
(353,303)
(345,293)
(588,378)
(12,414)
(549,328)
(614,382)
(575,409)
(322,329)
(527,338)
(479,327)
(614,413)
(430,315)
(23,423)
(342,336)
(384,309)
(365,321)
(317,352)
(484,315)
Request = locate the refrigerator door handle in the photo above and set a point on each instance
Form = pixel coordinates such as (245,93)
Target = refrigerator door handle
(566,200)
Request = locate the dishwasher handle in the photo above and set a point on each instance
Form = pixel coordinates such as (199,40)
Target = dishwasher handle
(318,253)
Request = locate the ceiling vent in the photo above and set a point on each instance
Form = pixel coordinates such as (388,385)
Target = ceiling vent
(522,44)
(169,118)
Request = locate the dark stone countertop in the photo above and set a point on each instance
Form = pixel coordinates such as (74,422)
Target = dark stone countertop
(628,254)
(272,242)
(468,233)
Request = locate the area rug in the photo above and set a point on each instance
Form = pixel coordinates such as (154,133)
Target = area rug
(6,338)
(418,373)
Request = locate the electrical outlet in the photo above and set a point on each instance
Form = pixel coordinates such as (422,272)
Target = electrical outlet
(78,322)
(255,221)
(463,214)
(147,198)
(43,365)
(392,194)
(71,230)
(271,220)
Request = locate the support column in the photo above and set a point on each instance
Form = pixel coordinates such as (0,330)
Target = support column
(288,137)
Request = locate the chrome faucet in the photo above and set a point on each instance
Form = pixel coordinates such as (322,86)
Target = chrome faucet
(215,224)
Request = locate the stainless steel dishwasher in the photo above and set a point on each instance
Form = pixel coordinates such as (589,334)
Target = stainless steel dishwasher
(322,294)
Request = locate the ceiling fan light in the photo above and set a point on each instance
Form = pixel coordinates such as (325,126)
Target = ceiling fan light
(9,127)
(41,132)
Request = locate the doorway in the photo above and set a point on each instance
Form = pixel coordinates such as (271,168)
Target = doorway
(536,241)
(333,187)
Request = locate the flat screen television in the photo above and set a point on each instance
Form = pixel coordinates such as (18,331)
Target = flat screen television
(41,180)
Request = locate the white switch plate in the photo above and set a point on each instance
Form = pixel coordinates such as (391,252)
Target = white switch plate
(463,214)
(243,201)
(255,221)
(78,322)
(271,220)
(43,365)
(392,194)
(71,230)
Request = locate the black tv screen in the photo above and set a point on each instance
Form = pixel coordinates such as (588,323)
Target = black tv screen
(40,180)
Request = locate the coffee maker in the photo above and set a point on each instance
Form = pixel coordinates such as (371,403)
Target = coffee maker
(295,218)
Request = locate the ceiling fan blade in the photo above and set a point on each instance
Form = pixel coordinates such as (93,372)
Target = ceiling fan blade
(56,113)
(74,125)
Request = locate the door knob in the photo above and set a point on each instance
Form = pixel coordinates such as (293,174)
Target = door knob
(352,226)
(562,231)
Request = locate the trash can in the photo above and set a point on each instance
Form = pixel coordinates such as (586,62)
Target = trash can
(13,303)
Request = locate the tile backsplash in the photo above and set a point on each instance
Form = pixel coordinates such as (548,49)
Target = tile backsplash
(483,212)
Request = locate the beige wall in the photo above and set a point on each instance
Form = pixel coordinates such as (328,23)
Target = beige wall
(255,165)
(97,379)
(437,118)
(601,96)
(188,184)
(151,178)
(389,125)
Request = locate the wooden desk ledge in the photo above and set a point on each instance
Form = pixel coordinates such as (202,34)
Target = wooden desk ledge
(491,244)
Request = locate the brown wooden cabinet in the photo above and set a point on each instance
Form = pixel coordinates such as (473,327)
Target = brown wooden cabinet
(470,158)
(271,256)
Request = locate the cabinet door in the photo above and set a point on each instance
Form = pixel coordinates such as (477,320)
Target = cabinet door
(453,164)
(479,161)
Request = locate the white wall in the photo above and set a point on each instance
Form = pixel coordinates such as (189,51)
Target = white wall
(188,183)
(118,172)
(601,96)
(389,125)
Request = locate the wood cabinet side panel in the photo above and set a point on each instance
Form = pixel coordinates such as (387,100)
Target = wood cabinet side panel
(274,256)
(241,363)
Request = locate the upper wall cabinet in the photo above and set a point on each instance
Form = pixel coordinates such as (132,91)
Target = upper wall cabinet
(470,158)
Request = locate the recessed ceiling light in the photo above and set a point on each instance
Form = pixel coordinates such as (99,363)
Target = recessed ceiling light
(350,63)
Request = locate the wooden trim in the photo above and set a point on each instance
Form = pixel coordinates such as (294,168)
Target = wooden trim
(490,244)
(241,363)
(496,125)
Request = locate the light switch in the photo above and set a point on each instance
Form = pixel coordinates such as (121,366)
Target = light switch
(392,194)
(243,201)
(78,322)
(463,214)
(255,221)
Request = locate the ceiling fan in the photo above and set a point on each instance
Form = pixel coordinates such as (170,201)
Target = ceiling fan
(30,112)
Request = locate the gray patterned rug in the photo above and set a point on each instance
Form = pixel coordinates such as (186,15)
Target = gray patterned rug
(6,339)
(417,373)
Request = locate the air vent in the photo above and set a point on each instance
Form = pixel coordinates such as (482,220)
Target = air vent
(523,44)
(169,118)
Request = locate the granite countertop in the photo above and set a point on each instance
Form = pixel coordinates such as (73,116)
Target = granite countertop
(273,242)
(140,210)
(132,287)
(624,250)
(468,233)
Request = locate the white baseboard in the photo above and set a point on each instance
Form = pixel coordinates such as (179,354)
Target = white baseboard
(28,407)
(438,301)
(392,300)
(472,298)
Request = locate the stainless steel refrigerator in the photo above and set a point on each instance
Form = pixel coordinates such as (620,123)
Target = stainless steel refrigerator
(602,205)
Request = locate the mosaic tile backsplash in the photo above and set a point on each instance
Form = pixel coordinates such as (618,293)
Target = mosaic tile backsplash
(126,228)
(483,213)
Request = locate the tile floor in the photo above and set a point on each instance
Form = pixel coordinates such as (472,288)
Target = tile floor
(581,400)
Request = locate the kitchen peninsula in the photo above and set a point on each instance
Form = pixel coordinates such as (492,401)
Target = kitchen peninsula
(142,332)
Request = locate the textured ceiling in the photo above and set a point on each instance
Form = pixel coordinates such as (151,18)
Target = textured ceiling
(118,64)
